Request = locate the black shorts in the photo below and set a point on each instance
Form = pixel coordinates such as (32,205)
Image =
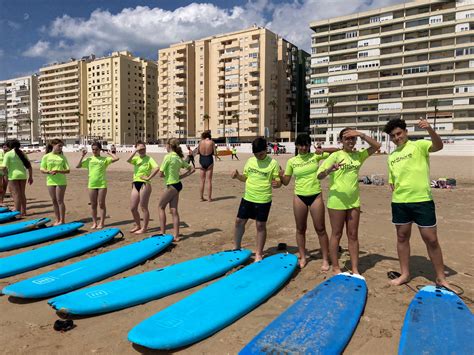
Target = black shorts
(253,210)
(138,185)
(308,200)
(422,214)
(178,186)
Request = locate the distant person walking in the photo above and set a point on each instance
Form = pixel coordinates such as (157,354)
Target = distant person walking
(206,151)
(16,164)
(3,175)
(97,166)
(55,165)
(234,153)
(190,157)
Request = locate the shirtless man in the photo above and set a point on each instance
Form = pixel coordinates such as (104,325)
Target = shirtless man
(206,151)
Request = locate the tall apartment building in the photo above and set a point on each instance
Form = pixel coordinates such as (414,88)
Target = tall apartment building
(395,62)
(121,99)
(239,85)
(19,109)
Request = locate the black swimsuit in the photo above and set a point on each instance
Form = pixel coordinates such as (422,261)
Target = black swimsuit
(206,161)
(308,200)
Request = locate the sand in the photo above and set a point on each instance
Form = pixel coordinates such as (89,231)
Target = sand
(27,326)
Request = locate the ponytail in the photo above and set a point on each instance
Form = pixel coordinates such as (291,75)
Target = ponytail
(15,144)
(174,144)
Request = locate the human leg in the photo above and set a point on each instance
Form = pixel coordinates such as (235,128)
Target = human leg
(261,238)
(60,192)
(202,174)
(134,202)
(239,231)
(165,198)
(54,200)
(175,214)
(430,237)
(403,250)
(22,191)
(337,219)
(300,211)
(103,209)
(318,216)
(209,173)
(352,230)
(145,193)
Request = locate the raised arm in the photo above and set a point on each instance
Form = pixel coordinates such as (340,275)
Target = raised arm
(374,145)
(129,160)
(79,164)
(115,158)
(437,143)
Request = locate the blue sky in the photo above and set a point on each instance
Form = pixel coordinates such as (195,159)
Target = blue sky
(37,32)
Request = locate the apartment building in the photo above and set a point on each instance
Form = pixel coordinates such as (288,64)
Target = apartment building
(406,61)
(62,89)
(121,99)
(19,109)
(239,85)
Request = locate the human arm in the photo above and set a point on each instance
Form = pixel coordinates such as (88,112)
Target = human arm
(320,151)
(285,179)
(129,160)
(236,175)
(374,145)
(114,157)
(152,175)
(437,143)
(79,164)
(190,170)
(30,175)
(330,165)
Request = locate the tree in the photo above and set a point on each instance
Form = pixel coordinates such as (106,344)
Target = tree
(435,103)
(206,118)
(273,103)
(235,116)
(330,104)
(43,126)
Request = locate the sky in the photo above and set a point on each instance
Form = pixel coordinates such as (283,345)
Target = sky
(37,32)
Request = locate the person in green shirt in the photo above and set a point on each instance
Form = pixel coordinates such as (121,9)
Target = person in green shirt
(3,176)
(170,169)
(16,164)
(97,166)
(343,200)
(412,202)
(308,198)
(144,169)
(260,174)
(234,153)
(55,165)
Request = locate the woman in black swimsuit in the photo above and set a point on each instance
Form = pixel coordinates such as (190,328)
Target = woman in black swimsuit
(207,163)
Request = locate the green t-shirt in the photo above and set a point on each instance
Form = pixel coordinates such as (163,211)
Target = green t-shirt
(304,168)
(14,165)
(260,173)
(142,167)
(171,166)
(97,167)
(344,183)
(409,172)
(2,153)
(51,162)
(234,151)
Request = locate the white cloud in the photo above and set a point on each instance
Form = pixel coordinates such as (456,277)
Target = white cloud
(26,16)
(144,30)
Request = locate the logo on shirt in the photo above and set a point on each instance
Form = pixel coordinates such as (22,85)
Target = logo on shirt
(402,158)
(300,165)
(258,172)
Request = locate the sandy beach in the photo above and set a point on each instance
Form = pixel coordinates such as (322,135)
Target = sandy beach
(26,327)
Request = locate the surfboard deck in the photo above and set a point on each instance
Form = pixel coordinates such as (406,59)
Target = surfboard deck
(87,271)
(214,307)
(321,322)
(50,254)
(21,227)
(437,322)
(4,209)
(8,216)
(148,286)
(24,239)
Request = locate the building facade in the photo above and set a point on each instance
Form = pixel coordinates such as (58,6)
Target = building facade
(239,85)
(19,109)
(406,61)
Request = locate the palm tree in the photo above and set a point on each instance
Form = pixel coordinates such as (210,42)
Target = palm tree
(89,125)
(79,115)
(330,104)
(235,116)
(61,123)
(17,124)
(206,118)
(43,126)
(435,103)
(273,103)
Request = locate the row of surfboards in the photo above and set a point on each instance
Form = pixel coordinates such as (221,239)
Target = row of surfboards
(322,321)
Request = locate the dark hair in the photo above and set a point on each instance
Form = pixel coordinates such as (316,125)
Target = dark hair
(96,144)
(341,134)
(49,148)
(139,142)
(206,134)
(174,144)
(15,144)
(303,139)
(394,123)
(50,145)
(259,145)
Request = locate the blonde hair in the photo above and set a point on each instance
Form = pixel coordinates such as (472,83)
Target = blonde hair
(174,145)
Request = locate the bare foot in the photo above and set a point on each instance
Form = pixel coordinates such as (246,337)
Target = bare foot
(57,223)
(203,199)
(94,226)
(355,272)
(443,283)
(100,226)
(325,266)
(134,229)
(176,239)
(403,279)
(209,199)
(302,262)
(140,231)
(336,270)
(258,258)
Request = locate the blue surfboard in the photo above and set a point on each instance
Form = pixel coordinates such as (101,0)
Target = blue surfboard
(21,227)
(7,216)
(37,236)
(216,306)
(4,209)
(87,271)
(148,286)
(50,254)
(321,322)
(437,322)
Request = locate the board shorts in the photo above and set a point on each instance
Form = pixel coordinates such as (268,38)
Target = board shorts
(423,214)
(253,210)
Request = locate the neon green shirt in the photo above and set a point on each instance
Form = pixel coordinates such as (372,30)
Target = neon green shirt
(304,168)
(234,151)
(171,165)
(51,162)
(260,173)
(142,167)
(409,172)
(97,167)
(14,165)
(344,183)
(2,153)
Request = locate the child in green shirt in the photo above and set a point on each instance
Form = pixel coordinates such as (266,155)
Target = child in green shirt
(260,174)
(55,165)
(97,166)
